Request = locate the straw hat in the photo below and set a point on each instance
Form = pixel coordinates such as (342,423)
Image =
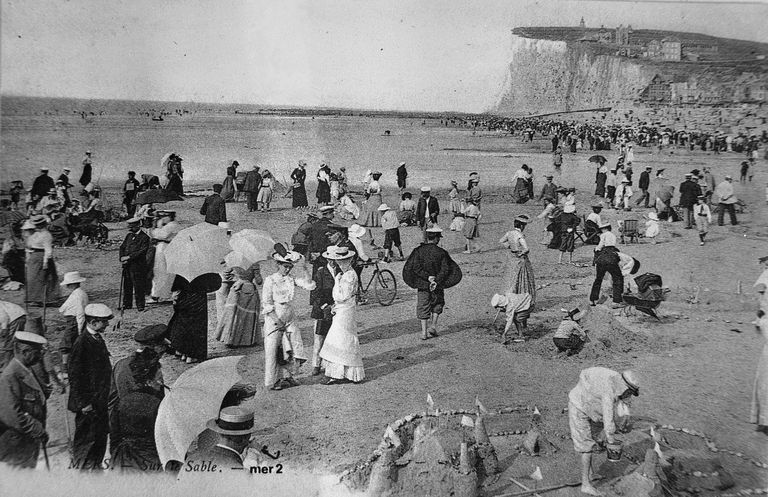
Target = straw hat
(336,253)
(384,207)
(285,256)
(71,278)
(233,420)
(356,230)
(499,300)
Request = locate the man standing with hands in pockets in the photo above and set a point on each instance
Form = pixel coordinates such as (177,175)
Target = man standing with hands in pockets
(133,257)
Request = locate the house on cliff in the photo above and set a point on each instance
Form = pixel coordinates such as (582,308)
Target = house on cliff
(749,87)
(671,49)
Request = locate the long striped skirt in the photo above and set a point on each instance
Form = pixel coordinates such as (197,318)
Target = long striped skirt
(519,278)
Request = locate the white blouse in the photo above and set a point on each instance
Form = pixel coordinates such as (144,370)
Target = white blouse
(345,287)
(279,289)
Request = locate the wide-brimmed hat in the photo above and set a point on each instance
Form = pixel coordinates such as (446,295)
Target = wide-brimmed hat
(499,300)
(523,218)
(38,220)
(71,278)
(356,231)
(598,205)
(152,334)
(576,314)
(336,253)
(384,207)
(100,311)
(285,256)
(653,216)
(233,420)
(632,381)
(569,208)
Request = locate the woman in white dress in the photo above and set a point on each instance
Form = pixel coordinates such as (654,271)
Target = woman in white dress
(371,215)
(340,354)
(283,345)
(162,281)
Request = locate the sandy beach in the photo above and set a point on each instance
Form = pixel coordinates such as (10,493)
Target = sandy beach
(697,363)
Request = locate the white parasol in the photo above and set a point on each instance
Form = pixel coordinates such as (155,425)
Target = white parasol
(197,250)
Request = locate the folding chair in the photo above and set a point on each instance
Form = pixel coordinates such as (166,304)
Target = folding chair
(628,228)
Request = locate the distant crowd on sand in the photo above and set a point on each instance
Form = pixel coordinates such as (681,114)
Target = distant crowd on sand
(328,253)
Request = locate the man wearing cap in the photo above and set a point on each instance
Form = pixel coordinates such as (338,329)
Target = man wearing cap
(234,428)
(214,208)
(689,191)
(595,399)
(549,190)
(402,174)
(22,404)
(133,257)
(90,373)
(134,397)
(644,184)
(318,240)
(430,269)
(130,189)
(42,185)
(12,319)
(726,201)
(607,261)
(427,210)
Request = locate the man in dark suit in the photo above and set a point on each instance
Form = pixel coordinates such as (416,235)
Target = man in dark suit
(42,185)
(644,183)
(430,270)
(214,209)
(402,176)
(233,428)
(133,257)
(22,403)
(90,373)
(427,210)
(318,241)
(689,192)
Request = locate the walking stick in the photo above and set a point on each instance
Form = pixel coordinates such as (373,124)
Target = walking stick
(119,322)
(498,311)
(45,295)
(45,454)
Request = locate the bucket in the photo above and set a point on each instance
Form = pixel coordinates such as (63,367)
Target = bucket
(613,451)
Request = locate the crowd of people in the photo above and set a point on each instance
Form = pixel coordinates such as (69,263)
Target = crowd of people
(119,402)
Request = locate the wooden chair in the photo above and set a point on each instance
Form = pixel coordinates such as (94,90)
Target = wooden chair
(629,229)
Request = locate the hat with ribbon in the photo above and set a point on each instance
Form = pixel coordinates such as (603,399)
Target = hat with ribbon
(233,420)
(336,253)
(285,256)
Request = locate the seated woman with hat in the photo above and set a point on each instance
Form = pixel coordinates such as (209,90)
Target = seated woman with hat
(283,345)
(340,354)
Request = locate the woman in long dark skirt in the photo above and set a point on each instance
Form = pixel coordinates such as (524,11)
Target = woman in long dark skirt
(323,193)
(42,280)
(188,328)
(600,179)
(568,222)
(299,176)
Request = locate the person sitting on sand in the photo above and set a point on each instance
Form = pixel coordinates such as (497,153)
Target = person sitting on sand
(407,211)
(517,307)
(570,336)
(652,229)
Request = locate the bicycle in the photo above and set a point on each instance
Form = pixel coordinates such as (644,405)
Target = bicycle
(383,281)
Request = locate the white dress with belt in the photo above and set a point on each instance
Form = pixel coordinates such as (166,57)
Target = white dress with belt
(341,351)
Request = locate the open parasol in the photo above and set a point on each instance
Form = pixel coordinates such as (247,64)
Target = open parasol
(193,399)
(10,217)
(253,245)
(598,159)
(197,250)
(158,196)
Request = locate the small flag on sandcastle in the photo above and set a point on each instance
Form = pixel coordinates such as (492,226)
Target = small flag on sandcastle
(480,407)
(467,421)
(389,434)
(536,475)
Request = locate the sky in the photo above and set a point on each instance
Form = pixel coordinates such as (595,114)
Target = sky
(388,55)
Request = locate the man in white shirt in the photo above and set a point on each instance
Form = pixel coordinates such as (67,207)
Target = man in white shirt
(727,201)
(595,399)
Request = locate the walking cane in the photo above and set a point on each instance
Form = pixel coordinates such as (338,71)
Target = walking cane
(119,322)
(45,454)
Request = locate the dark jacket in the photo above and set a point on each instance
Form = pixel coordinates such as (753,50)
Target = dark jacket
(645,180)
(214,209)
(430,260)
(252,181)
(22,415)
(421,210)
(90,373)
(135,246)
(318,242)
(688,193)
(42,185)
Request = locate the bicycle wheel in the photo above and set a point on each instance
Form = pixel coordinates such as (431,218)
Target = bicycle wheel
(385,287)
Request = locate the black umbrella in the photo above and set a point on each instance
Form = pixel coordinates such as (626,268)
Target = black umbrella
(598,158)
(157,196)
